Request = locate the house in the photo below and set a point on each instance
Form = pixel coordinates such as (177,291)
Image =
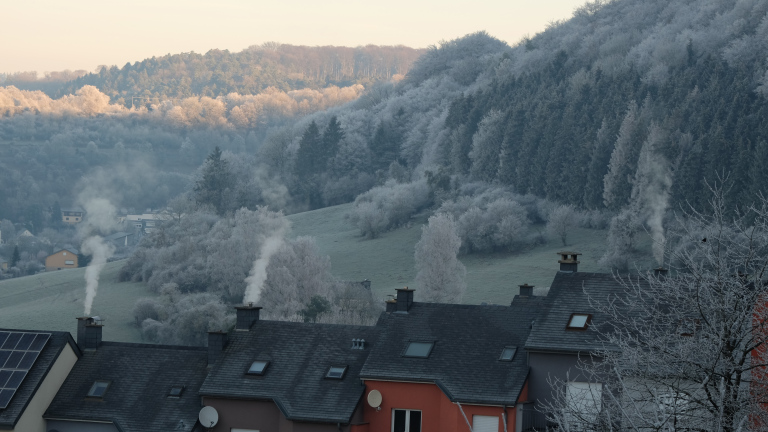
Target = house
(26,233)
(33,366)
(121,239)
(3,264)
(287,376)
(62,259)
(72,216)
(128,387)
(444,367)
(147,222)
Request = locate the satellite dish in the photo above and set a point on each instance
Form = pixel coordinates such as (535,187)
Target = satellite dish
(208,416)
(374,398)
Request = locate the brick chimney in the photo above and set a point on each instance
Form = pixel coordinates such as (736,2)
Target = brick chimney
(88,333)
(526,290)
(217,341)
(247,316)
(404,300)
(569,261)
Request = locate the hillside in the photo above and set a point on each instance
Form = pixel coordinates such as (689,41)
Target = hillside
(566,114)
(52,301)
(218,73)
(388,263)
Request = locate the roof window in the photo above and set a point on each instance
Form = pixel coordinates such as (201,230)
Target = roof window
(418,349)
(579,321)
(98,389)
(508,353)
(336,372)
(176,391)
(258,367)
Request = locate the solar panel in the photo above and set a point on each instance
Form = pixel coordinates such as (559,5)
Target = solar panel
(18,352)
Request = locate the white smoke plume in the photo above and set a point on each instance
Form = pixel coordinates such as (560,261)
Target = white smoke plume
(100,218)
(100,251)
(258,274)
(653,181)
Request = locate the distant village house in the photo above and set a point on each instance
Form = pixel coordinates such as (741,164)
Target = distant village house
(72,216)
(63,259)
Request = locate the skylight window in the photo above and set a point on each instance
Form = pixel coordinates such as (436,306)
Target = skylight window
(336,372)
(176,391)
(579,321)
(508,353)
(258,367)
(98,389)
(418,349)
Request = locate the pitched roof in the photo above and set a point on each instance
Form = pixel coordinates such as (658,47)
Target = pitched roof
(140,377)
(568,295)
(48,355)
(464,361)
(72,250)
(117,235)
(299,357)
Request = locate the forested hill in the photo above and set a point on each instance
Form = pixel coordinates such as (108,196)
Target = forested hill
(627,94)
(218,73)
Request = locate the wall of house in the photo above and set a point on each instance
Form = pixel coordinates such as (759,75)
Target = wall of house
(77,426)
(32,418)
(546,367)
(59,261)
(71,217)
(438,413)
(261,416)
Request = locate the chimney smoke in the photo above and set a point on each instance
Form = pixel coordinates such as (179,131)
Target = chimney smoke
(258,274)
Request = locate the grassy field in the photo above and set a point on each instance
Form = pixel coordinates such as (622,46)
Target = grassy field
(388,260)
(52,301)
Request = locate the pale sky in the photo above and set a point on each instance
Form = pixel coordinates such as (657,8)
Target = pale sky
(50,35)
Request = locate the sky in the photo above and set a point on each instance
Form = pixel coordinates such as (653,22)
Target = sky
(52,35)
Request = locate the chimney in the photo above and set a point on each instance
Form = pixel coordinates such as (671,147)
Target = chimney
(88,333)
(569,261)
(660,272)
(247,315)
(526,290)
(391,304)
(404,300)
(217,341)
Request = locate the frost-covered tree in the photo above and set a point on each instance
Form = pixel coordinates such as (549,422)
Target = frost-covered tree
(561,221)
(486,146)
(440,274)
(616,185)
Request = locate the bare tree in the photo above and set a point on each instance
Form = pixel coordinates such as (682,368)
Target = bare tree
(440,274)
(685,351)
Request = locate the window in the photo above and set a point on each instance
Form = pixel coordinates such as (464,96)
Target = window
(508,353)
(258,367)
(485,423)
(69,262)
(418,349)
(176,391)
(406,420)
(336,372)
(98,389)
(579,321)
(64,253)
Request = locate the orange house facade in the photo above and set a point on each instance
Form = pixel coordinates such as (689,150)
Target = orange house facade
(63,259)
(426,404)
(447,367)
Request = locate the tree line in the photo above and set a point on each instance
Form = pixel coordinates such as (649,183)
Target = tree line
(251,71)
